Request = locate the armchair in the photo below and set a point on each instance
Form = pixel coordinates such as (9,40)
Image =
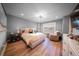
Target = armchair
(55,36)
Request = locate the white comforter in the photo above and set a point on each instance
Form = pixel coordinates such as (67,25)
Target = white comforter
(30,38)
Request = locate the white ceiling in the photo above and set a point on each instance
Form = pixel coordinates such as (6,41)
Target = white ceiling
(32,11)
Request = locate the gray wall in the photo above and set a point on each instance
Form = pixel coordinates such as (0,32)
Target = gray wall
(59,25)
(3,21)
(15,23)
(65,25)
(2,16)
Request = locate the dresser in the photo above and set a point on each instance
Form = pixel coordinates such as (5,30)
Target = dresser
(65,44)
(70,46)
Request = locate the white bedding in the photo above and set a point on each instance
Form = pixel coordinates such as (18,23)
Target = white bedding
(30,38)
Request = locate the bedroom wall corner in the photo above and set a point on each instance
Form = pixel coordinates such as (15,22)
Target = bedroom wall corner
(3,28)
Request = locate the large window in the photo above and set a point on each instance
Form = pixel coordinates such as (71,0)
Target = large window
(49,27)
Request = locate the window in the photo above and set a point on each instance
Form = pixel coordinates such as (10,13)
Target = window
(49,27)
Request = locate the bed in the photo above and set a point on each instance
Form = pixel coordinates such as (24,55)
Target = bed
(34,39)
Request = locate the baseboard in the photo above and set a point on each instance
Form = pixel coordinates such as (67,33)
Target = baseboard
(2,50)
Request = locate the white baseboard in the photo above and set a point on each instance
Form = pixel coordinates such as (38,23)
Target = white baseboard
(3,49)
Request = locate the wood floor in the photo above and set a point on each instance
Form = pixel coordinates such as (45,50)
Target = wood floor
(46,48)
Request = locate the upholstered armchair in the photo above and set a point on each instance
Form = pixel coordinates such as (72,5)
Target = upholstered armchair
(55,36)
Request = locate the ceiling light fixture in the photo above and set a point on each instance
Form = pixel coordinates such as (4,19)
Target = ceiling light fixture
(41,14)
(22,14)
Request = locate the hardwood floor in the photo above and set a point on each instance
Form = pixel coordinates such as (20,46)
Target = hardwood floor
(46,48)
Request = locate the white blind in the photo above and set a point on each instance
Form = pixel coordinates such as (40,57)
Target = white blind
(49,27)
